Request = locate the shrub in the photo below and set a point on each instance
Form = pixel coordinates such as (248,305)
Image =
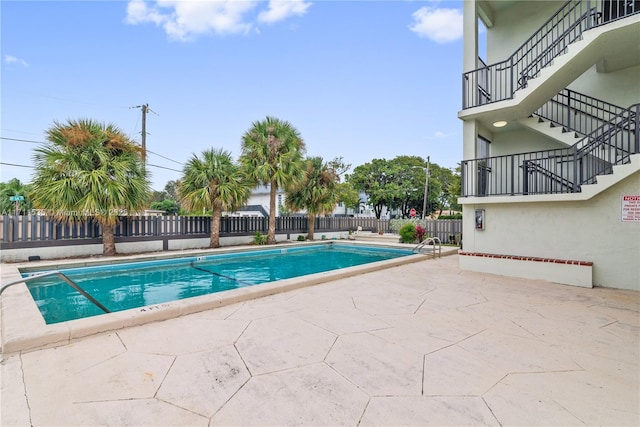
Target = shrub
(420,232)
(259,238)
(301,238)
(407,233)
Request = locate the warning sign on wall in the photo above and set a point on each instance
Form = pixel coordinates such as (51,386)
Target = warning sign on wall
(631,208)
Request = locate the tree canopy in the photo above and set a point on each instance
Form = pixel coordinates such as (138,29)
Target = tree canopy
(400,184)
(272,153)
(89,169)
(317,192)
(213,181)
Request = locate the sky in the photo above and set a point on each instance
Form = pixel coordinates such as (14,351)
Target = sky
(358,79)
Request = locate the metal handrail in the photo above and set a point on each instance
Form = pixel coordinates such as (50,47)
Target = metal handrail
(562,170)
(500,81)
(578,112)
(429,241)
(63,277)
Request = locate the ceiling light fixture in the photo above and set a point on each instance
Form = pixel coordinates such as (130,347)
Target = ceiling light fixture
(500,123)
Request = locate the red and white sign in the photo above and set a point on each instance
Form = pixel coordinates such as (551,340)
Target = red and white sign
(412,213)
(631,208)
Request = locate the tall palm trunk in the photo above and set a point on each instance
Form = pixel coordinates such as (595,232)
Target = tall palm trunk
(271,233)
(108,240)
(312,226)
(214,242)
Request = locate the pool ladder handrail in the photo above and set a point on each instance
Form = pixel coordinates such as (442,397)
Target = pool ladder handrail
(60,274)
(435,241)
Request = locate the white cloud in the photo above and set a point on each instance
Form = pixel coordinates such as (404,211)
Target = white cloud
(10,59)
(187,19)
(282,9)
(438,24)
(440,134)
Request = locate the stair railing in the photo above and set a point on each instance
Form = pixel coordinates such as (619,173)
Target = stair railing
(500,81)
(577,112)
(562,170)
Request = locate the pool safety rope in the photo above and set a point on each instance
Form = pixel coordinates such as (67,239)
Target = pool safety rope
(221,275)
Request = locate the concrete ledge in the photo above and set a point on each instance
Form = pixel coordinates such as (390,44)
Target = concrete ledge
(568,272)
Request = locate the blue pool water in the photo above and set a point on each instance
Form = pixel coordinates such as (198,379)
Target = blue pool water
(137,284)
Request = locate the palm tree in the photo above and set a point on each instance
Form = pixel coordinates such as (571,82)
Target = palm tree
(89,169)
(14,188)
(272,152)
(317,193)
(213,181)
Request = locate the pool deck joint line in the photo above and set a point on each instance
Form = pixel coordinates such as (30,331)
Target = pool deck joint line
(423,343)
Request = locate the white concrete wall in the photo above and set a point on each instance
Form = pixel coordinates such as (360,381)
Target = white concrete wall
(591,230)
(619,87)
(515,24)
(521,141)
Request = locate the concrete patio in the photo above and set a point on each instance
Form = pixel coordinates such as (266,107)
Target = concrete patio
(419,344)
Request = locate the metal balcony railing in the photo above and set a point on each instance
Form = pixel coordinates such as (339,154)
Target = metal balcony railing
(562,170)
(500,81)
(577,112)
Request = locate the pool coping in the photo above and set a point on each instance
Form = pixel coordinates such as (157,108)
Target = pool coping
(22,327)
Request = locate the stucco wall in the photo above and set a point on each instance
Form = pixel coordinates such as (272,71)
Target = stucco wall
(521,141)
(589,230)
(620,87)
(510,30)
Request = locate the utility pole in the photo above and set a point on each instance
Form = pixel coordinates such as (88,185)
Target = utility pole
(426,191)
(145,109)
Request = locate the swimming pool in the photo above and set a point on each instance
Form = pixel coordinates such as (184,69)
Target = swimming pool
(130,285)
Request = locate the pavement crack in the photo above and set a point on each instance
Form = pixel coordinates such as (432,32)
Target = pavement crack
(242,358)
(166,374)
(364,411)
(24,386)
(419,306)
(491,410)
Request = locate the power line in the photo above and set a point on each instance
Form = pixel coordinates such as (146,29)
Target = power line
(33,167)
(42,142)
(163,167)
(160,155)
(14,164)
(22,140)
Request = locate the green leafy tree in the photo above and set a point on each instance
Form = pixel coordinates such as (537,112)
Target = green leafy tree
(272,152)
(455,190)
(407,184)
(167,198)
(375,179)
(169,206)
(11,188)
(89,169)
(214,182)
(317,192)
(171,189)
(348,195)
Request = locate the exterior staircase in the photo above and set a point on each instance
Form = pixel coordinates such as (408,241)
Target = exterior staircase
(551,130)
(569,43)
(563,170)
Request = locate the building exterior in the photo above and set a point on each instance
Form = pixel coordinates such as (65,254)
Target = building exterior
(258,205)
(551,146)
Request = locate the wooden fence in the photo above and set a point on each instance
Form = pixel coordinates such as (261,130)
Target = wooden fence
(36,228)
